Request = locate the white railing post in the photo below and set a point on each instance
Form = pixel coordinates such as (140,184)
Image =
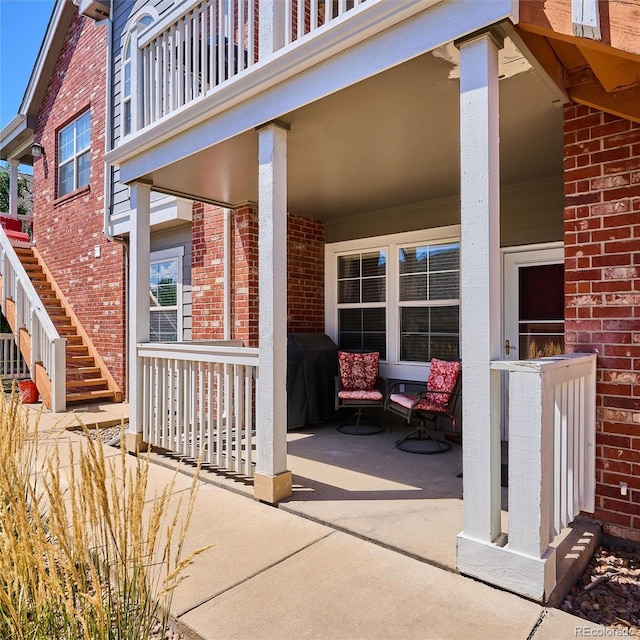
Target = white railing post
(551,467)
(531,453)
(6,279)
(58,375)
(588,487)
(271,21)
(19,303)
(36,346)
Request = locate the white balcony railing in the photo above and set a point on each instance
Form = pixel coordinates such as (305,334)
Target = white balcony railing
(199,401)
(25,312)
(12,364)
(205,43)
(551,421)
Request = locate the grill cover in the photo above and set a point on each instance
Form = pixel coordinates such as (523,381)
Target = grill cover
(312,364)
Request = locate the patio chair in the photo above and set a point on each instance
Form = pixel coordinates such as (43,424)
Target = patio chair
(359,387)
(426,406)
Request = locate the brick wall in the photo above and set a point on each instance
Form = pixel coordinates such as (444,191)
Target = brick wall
(68,229)
(305,264)
(602,252)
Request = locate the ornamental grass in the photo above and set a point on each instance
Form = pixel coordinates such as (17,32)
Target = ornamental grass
(86,550)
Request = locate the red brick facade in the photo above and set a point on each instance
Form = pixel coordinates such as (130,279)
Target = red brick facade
(68,230)
(305,265)
(602,284)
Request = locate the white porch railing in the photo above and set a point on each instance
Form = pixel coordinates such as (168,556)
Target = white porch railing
(26,312)
(207,42)
(199,400)
(551,420)
(12,364)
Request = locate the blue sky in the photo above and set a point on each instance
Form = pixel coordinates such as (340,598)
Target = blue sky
(22,27)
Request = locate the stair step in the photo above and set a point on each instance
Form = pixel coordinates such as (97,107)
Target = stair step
(87,382)
(79,361)
(90,395)
(83,371)
(65,329)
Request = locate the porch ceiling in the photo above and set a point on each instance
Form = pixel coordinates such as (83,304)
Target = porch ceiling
(390,140)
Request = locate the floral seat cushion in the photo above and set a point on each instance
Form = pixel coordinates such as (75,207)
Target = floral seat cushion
(360,394)
(408,400)
(443,375)
(358,371)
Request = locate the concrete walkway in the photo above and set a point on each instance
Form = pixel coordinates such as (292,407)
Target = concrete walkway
(271,574)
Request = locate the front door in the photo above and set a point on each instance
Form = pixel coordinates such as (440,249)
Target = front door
(533,304)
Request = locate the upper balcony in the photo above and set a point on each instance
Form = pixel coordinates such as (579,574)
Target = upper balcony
(214,69)
(205,44)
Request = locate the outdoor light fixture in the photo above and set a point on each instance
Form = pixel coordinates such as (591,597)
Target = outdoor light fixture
(37,150)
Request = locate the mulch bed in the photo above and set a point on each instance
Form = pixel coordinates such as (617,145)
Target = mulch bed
(608,592)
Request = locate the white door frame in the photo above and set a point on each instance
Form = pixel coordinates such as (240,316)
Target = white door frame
(512,259)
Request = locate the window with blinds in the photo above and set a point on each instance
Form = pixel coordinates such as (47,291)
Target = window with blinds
(164,299)
(398,295)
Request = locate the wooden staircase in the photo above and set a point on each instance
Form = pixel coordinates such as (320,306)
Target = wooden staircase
(87,378)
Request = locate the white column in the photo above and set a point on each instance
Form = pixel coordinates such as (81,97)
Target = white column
(226,312)
(480,288)
(139,265)
(13,186)
(272,481)
(271,18)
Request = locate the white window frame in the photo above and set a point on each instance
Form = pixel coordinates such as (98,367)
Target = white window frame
(177,254)
(75,156)
(392,366)
(134,27)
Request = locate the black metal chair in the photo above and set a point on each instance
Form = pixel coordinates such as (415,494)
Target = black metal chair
(359,387)
(426,405)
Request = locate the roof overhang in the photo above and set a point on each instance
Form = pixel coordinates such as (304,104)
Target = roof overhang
(16,138)
(601,67)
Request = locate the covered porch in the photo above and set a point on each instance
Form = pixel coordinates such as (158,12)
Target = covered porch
(422,127)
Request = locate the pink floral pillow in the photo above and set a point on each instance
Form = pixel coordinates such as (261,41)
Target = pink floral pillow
(442,378)
(358,371)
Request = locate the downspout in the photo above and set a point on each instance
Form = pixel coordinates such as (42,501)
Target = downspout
(227,274)
(108,144)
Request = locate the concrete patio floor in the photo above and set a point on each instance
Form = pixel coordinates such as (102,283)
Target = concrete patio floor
(363,485)
(344,586)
